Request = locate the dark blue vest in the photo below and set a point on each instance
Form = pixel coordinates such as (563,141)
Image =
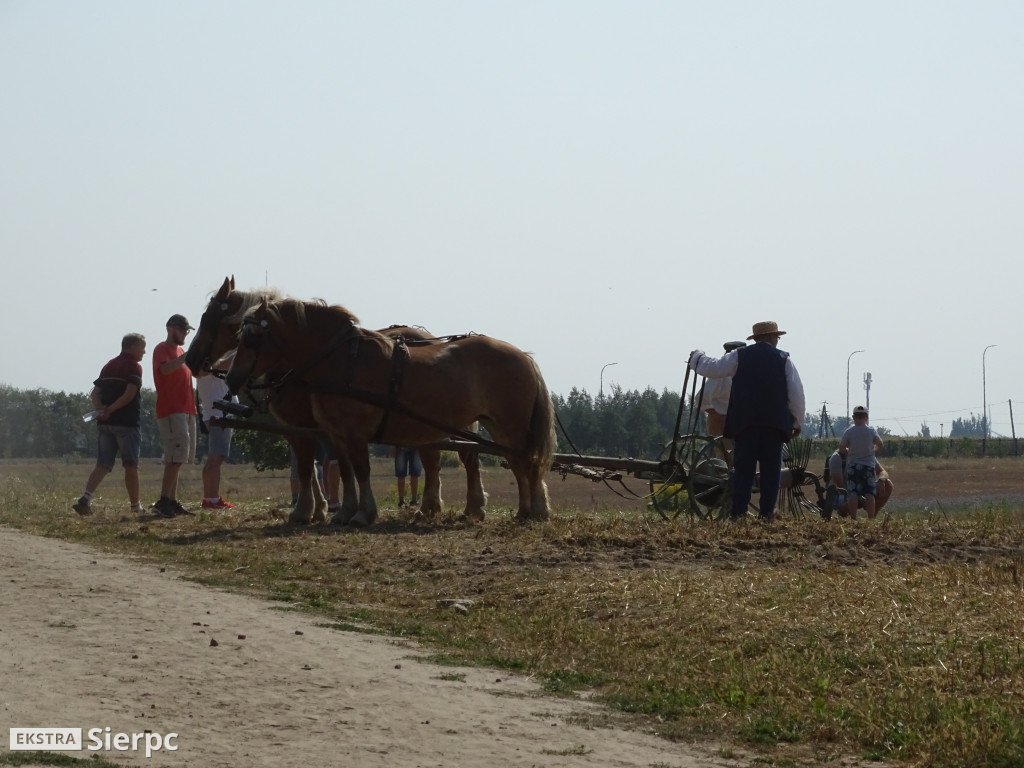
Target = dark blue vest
(759,397)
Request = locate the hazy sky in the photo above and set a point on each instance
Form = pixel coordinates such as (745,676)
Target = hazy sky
(595,182)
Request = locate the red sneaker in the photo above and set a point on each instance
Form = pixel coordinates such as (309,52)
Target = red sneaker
(218,504)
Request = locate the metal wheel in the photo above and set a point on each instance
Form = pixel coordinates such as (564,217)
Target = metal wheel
(667,492)
(709,479)
(697,481)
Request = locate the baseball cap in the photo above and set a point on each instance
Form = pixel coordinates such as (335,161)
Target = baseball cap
(860,409)
(180,321)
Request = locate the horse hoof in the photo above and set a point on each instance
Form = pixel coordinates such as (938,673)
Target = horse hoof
(296,518)
(319,517)
(341,518)
(362,520)
(474,515)
(428,513)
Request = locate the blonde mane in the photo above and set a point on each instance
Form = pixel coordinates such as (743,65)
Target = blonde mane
(249,300)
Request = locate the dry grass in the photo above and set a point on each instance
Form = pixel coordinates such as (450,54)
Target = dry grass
(897,640)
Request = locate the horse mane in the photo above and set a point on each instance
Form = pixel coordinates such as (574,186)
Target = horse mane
(249,300)
(315,313)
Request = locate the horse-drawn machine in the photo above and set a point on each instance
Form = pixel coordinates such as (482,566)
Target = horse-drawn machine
(320,374)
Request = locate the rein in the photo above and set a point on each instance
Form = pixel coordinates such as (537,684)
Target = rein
(388,401)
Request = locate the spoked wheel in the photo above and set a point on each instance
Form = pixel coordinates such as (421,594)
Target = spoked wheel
(700,479)
(668,493)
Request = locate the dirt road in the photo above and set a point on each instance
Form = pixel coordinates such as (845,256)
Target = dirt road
(89,640)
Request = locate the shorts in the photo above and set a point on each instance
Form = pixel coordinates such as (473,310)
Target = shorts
(407,462)
(325,450)
(178,437)
(860,479)
(113,439)
(219,440)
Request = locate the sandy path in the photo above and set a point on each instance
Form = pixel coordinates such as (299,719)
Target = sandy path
(91,640)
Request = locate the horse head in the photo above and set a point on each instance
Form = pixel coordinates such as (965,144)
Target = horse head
(254,356)
(215,335)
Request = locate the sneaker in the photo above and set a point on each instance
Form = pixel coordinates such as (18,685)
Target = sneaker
(218,504)
(82,506)
(163,508)
(178,509)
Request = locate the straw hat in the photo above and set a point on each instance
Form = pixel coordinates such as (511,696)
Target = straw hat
(767,328)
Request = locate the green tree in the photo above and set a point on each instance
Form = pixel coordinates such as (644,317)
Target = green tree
(972,427)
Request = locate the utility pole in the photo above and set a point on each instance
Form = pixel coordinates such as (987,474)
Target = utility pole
(867,391)
(825,422)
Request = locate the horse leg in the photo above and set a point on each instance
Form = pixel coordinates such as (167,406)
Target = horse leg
(519,470)
(311,503)
(349,491)
(539,503)
(476,497)
(367,512)
(533,492)
(432,504)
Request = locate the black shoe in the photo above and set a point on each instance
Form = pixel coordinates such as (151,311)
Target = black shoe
(178,508)
(82,506)
(163,507)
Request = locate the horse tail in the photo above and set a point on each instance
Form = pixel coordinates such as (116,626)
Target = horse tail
(540,448)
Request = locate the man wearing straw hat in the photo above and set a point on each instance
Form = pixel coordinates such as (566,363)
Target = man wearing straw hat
(766,409)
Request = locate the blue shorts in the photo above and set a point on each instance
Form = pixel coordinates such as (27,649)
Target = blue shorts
(407,462)
(127,440)
(325,450)
(219,440)
(860,479)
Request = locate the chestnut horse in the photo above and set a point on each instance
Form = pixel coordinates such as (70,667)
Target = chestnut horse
(218,333)
(365,387)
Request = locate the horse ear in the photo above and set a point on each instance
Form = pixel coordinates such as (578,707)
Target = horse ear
(232,282)
(225,289)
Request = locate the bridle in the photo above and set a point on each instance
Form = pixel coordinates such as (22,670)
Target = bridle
(211,322)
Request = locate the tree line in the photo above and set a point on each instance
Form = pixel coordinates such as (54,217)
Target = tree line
(40,423)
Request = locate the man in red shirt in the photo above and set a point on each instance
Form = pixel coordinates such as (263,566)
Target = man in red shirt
(175,412)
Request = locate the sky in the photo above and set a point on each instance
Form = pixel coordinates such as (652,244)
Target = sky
(607,185)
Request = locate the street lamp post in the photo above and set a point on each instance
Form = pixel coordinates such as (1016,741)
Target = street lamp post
(984,401)
(848,382)
(600,392)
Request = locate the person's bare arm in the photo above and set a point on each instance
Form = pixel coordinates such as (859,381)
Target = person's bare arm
(129,394)
(170,366)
